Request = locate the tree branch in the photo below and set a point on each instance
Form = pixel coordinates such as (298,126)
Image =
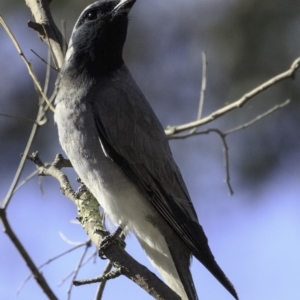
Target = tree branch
(27,63)
(36,273)
(290,73)
(45,26)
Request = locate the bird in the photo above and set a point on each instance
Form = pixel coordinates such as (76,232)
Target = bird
(119,149)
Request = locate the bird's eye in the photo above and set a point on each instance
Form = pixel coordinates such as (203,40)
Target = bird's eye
(91,15)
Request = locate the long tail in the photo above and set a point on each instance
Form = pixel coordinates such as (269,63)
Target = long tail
(205,256)
(181,261)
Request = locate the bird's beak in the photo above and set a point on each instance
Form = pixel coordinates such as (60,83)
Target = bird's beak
(124,6)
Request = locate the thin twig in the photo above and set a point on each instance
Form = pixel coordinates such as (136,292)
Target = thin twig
(27,63)
(102,284)
(116,272)
(64,31)
(203,85)
(44,61)
(22,119)
(83,264)
(224,134)
(48,262)
(40,120)
(21,166)
(34,270)
(258,118)
(64,253)
(48,70)
(54,58)
(88,245)
(226,156)
(23,182)
(202,90)
(290,73)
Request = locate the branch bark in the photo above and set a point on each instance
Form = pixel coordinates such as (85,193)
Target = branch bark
(36,273)
(47,29)
(290,73)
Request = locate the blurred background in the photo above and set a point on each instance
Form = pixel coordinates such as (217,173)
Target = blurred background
(254,234)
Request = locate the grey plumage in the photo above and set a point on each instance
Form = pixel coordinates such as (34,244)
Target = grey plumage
(118,148)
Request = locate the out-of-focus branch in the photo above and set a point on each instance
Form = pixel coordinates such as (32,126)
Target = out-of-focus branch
(258,118)
(46,28)
(93,256)
(27,63)
(223,136)
(79,265)
(44,61)
(36,273)
(290,73)
(40,120)
(51,260)
(102,284)
(202,90)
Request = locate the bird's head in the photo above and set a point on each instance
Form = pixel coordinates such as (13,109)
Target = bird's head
(98,37)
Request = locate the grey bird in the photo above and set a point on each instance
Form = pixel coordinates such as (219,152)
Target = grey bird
(119,149)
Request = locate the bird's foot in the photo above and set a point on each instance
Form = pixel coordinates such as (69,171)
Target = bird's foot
(110,239)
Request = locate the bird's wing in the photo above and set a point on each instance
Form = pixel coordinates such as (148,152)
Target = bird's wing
(134,139)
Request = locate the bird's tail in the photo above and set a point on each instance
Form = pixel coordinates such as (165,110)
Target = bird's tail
(189,291)
(205,256)
(182,282)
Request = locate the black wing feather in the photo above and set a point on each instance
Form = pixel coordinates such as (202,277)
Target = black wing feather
(123,146)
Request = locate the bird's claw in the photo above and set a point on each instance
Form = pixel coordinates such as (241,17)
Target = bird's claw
(110,239)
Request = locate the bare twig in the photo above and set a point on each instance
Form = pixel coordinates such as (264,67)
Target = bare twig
(64,253)
(47,29)
(102,284)
(203,85)
(44,61)
(23,182)
(88,245)
(20,167)
(50,261)
(36,273)
(290,73)
(258,118)
(22,119)
(27,63)
(64,34)
(226,155)
(203,89)
(89,281)
(40,120)
(224,134)
(103,278)
(83,264)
